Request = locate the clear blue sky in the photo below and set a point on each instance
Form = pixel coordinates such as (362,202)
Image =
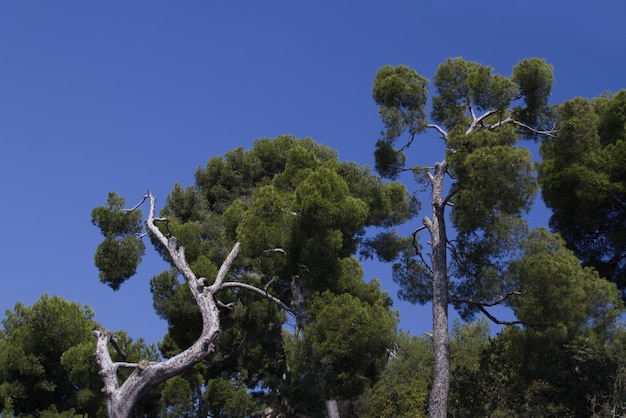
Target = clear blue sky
(98,96)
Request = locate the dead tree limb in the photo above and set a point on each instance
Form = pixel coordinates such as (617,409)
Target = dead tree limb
(121,398)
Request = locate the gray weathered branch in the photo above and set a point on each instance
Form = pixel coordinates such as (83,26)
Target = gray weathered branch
(550,133)
(477,120)
(444,134)
(121,399)
(259,291)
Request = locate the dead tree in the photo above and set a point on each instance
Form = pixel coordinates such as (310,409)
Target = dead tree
(122,398)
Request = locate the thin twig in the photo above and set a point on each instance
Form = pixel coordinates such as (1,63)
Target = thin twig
(416,248)
(116,346)
(495,302)
(496,320)
(551,133)
(259,291)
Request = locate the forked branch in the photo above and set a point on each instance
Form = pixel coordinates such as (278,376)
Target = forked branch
(121,399)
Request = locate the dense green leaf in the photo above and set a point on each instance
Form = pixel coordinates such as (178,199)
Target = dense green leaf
(583,181)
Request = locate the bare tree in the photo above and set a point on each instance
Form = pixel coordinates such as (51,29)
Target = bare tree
(121,399)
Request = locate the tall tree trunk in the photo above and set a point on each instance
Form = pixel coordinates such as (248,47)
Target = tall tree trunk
(332,409)
(438,403)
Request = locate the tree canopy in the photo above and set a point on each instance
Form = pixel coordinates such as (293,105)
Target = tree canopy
(583,181)
(300,216)
(46,360)
(479,115)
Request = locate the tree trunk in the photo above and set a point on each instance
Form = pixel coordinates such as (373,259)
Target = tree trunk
(438,403)
(332,409)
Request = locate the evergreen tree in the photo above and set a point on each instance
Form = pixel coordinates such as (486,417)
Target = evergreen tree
(47,367)
(583,180)
(36,345)
(297,216)
(479,116)
(563,356)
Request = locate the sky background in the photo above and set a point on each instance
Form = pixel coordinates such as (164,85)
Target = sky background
(126,96)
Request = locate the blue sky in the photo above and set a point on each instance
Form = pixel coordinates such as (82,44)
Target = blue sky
(126,96)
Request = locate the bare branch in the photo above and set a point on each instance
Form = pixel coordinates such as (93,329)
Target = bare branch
(551,133)
(124,364)
(107,368)
(495,302)
(276,250)
(230,305)
(117,347)
(176,252)
(428,223)
(122,398)
(453,251)
(138,204)
(478,120)
(167,225)
(151,219)
(481,306)
(471,111)
(496,320)
(453,190)
(221,274)
(268,284)
(409,142)
(416,248)
(444,134)
(420,229)
(259,291)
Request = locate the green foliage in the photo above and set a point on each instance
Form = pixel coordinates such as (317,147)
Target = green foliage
(492,181)
(529,373)
(46,360)
(412,275)
(494,186)
(549,272)
(300,215)
(389,161)
(348,338)
(563,361)
(566,353)
(460,83)
(470,340)
(119,254)
(525,373)
(176,398)
(228,399)
(481,116)
(401,94)
(386,245)
(583,181)
(534,78)
(403,388)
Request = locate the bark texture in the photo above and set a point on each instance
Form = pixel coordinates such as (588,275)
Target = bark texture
(332,409)
(438,403)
